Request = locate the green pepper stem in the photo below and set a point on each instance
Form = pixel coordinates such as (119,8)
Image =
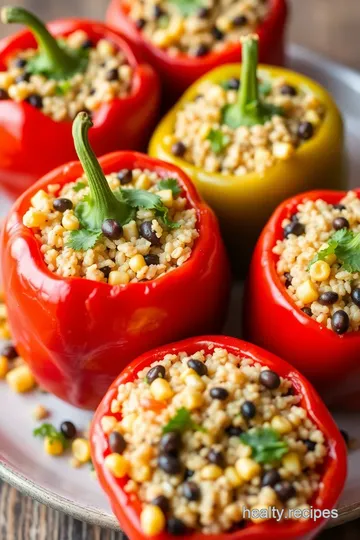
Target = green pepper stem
(60,61)
(249,88)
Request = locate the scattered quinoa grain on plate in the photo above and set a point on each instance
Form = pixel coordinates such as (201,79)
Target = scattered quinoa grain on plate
(201,438)
(319,261)
(146,247)
(107,76)
(196,28)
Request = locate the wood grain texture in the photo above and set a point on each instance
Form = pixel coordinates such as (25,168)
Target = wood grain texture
(327,26)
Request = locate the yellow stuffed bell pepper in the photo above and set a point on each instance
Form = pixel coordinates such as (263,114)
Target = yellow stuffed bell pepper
(249,145)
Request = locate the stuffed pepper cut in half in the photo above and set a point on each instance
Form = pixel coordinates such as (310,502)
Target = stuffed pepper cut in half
(214,438)
(303,292)
(48,75)
(248,144)
(102,261)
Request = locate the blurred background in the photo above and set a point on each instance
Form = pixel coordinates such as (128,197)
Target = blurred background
(329,27)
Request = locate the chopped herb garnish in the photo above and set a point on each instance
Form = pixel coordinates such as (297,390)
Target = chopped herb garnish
(265,87)
(218,140)
(266,444)
(170,183)
(79,186)
(83,239)
(187,7)
(139,198)
(48,430)
(181,422)
(345,244)
(62,88)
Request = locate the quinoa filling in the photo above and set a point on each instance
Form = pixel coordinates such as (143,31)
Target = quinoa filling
(107,76)
(319,262)
(199,27)
(146,247)
(200,439)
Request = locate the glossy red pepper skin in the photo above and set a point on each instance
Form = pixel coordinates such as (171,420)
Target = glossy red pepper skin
(127,507)
(272,320)
(178,73)
(77,334)
(32,144)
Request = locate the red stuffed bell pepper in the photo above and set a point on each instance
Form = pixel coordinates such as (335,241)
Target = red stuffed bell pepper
(302,301)
(93,279)
(163,446)
(40,94)
(178,71)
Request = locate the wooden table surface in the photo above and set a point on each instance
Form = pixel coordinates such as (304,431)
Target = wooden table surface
(327,26)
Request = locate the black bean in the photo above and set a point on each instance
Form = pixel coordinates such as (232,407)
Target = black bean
(295,227)
(310,445)
(178,149)
(176,527)
(340,322)
(87,44)
(191,491)
(112,75)
(169,463)
(155,373)
(3,94)
(288,90)
(20,62)
(295,217)
(106,271)
(157,12)
(355,295)
(288,279)
(307,311)
(270,478)
(23,77)
(203,13)
(140,23)
(201,50)
(68,429)
(340,223)
(248,409)
(305,130)
(35,100)
(117,442)
(270,379)
(162,502)
(216,457)
(197,366)
(147,232)
(328,298)
(217,34)
(345,436)
(234,431)
(170,442)
(285,491)
(62,204)
(112,229)
(9,351)
(339,206)
(125,176)
(151,259)
(240,20)
(188,474)
(219,393)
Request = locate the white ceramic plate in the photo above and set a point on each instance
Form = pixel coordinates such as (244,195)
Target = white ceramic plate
(51,480)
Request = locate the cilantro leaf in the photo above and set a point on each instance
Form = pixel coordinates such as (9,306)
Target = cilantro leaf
(265,87)
(187,7)
(181,422)
(218,140)
(345,244)
(170,183)
(256,113)
(79,186)
(266,444)
(40,64)
(62,88)
(83,239)
(48,430)
(136,198)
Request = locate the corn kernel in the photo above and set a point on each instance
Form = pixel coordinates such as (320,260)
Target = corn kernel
(105,48)
(20,379)
(130,231)
(117,465)
(81,450)
(6,80)
(70,222)
(34,218)
(291,463)
(211,472)
(127,422)
(233,477)
(4,366)
(40,412)
(247,468)
(307,292)
(53,447)
(152,520)
(117,277)
(161,390)
(223,24)
(141,473)
(282,150)
(40,200)
(166,37)
(193,399)
(108,424)
(320,271)
(313,117)
(187,372)
(143,182)
(137,262)
(194,381)
(166,196)
(281,424)
(330,259)
(257,517)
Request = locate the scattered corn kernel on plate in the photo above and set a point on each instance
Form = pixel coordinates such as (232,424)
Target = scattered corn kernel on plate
(64,479)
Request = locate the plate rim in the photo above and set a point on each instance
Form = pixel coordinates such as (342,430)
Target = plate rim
(91,514)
